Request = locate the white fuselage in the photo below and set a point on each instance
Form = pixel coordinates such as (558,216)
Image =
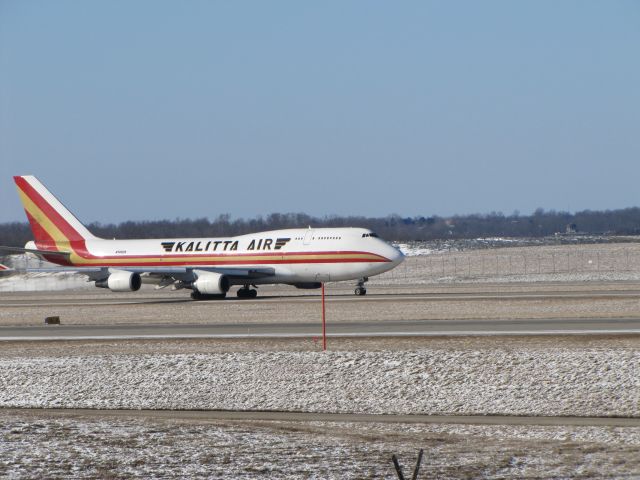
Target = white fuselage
(295,255)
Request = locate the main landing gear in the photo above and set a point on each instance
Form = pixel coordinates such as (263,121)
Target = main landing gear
(246,292)
(360,290)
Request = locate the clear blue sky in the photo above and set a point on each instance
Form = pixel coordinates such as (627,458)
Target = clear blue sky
(150,109)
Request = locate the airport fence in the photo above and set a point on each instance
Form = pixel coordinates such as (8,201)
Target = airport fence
(479,264)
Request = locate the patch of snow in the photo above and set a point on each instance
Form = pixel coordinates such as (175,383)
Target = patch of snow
(38,446)
(588,381)
(37,282)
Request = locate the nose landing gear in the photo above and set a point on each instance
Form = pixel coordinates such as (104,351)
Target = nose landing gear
(360,290)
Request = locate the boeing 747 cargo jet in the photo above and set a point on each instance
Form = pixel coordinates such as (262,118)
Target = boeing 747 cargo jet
(208,267)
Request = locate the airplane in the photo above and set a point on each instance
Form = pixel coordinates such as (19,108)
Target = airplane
(302,257)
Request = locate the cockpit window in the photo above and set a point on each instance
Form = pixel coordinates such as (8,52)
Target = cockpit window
(375,235)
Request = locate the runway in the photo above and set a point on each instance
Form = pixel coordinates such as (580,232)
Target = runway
(228,415)
(386,311)
(66,299)
(406,328)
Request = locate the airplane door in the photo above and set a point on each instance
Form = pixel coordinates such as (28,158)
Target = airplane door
(308,236)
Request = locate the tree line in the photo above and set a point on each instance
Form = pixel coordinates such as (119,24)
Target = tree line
(540,223)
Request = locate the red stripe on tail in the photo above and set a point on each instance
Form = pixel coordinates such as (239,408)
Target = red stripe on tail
(67,230)
(43,240)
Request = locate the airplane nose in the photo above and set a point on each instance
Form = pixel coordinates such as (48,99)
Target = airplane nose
(396,256)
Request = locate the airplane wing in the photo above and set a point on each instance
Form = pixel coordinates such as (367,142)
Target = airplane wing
(240,272)
(187,271)
(165,276)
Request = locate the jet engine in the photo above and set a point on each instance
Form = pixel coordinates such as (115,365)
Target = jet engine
(121,281)
(211,283)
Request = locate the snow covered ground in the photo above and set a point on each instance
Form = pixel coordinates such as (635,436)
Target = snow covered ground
(430,247)
(517,264)
(44,282)
(551,381)
(35,445)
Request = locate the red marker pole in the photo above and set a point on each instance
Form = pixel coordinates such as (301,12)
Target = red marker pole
(324,323)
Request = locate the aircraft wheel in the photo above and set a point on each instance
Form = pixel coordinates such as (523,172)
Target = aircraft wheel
(247,293)
(360,291)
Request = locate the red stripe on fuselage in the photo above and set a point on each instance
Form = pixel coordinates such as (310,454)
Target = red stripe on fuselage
(235,255)
(236,259)
(228,264)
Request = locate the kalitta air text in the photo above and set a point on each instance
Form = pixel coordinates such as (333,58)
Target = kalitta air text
(224,245)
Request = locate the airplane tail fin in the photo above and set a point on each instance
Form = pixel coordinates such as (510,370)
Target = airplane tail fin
(52,224)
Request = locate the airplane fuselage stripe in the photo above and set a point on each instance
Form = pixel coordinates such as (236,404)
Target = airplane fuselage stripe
(236,259)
